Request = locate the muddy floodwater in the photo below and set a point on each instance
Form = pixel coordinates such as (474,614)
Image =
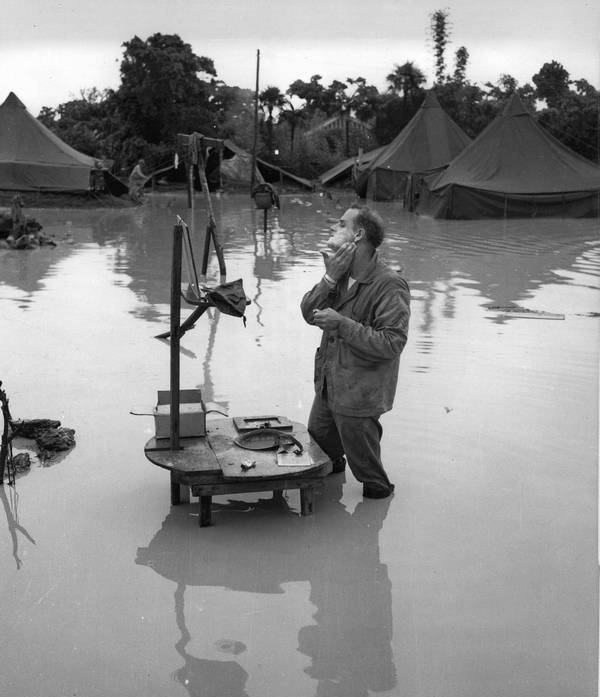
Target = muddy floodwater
(478,578)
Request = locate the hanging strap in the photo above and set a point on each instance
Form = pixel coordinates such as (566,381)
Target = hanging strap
(193,294)
(211,230)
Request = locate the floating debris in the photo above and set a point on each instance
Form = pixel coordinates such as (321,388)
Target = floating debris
(522,312)
(48,434)
(21,462)
(18,231)
(230,646)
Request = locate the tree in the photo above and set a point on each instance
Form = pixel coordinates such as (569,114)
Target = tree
(440,32)
(292,118)
(365,99)
(407,80)
(505,86)
(461,58)
(552,83)
(89,124)
(466,105)
(311,92)
(233,112)
(271,98)
(404,96)
(334,99)
(161,93)
(570,115)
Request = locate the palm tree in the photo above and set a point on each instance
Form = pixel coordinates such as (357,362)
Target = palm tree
(406,80)
(271,98)
(293,117)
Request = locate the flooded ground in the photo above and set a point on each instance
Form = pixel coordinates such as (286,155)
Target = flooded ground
(477,579)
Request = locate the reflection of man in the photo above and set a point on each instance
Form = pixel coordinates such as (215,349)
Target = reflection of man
(363,308)
(137,179)
(347,639)
(349,643)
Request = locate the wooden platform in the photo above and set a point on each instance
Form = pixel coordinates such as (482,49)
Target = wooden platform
(216,465)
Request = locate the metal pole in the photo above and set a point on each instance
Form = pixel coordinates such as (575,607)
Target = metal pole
(253,175)
(175,318)
(192,193)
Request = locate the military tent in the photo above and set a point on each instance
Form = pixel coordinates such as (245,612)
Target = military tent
(228,166)
(514,168)
(349,167)
(231,167)
(428,142)
(32,158)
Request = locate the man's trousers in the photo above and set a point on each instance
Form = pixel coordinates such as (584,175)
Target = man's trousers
(356,437)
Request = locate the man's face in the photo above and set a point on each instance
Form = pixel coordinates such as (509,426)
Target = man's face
(342,230)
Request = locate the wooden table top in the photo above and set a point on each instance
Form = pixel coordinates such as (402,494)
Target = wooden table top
(218,453)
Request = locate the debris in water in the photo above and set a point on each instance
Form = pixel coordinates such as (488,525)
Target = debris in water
(230,646)
(48,434)
(21,462)
(523,312)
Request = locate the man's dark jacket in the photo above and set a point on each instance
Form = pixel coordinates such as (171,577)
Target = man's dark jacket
(359,361)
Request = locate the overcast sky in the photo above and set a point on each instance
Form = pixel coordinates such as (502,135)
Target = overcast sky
(51,50)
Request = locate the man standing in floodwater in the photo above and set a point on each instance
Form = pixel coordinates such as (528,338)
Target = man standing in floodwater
(363,308)
(137,179)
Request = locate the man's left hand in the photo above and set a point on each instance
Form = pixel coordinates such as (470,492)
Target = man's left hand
(327,319)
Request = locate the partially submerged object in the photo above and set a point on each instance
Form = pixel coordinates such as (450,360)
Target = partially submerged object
(48,434)
(524,313)
(18,231)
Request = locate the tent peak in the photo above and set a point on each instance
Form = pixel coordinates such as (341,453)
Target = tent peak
(515,107)
(13,100)
(431,101)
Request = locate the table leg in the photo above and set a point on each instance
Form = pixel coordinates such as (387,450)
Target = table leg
(180,493)
(205,511)
(307,498)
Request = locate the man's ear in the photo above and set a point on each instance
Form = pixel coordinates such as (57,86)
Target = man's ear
(358,235)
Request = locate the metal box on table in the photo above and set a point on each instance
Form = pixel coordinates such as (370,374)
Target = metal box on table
(192,414)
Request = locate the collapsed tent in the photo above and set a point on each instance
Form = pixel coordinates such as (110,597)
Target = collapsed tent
(427,144)
(514,168)
(349,168)
(273,173)
(229,166)
(32,158)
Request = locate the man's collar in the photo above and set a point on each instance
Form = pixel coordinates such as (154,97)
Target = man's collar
(369,271)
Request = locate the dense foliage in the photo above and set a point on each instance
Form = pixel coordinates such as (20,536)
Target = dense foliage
(167,89)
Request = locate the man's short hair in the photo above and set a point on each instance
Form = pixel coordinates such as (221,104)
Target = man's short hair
(372,224)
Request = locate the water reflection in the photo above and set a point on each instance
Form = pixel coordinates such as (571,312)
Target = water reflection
(337,552)
(11,509)
(503,261)
(486,263)
(202,677)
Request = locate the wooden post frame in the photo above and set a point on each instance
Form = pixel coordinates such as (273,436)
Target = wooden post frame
(175,320)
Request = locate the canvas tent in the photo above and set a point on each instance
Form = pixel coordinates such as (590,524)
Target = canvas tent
(229,166)
(428,142)
(514,168)
(32,158)
(349,167)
